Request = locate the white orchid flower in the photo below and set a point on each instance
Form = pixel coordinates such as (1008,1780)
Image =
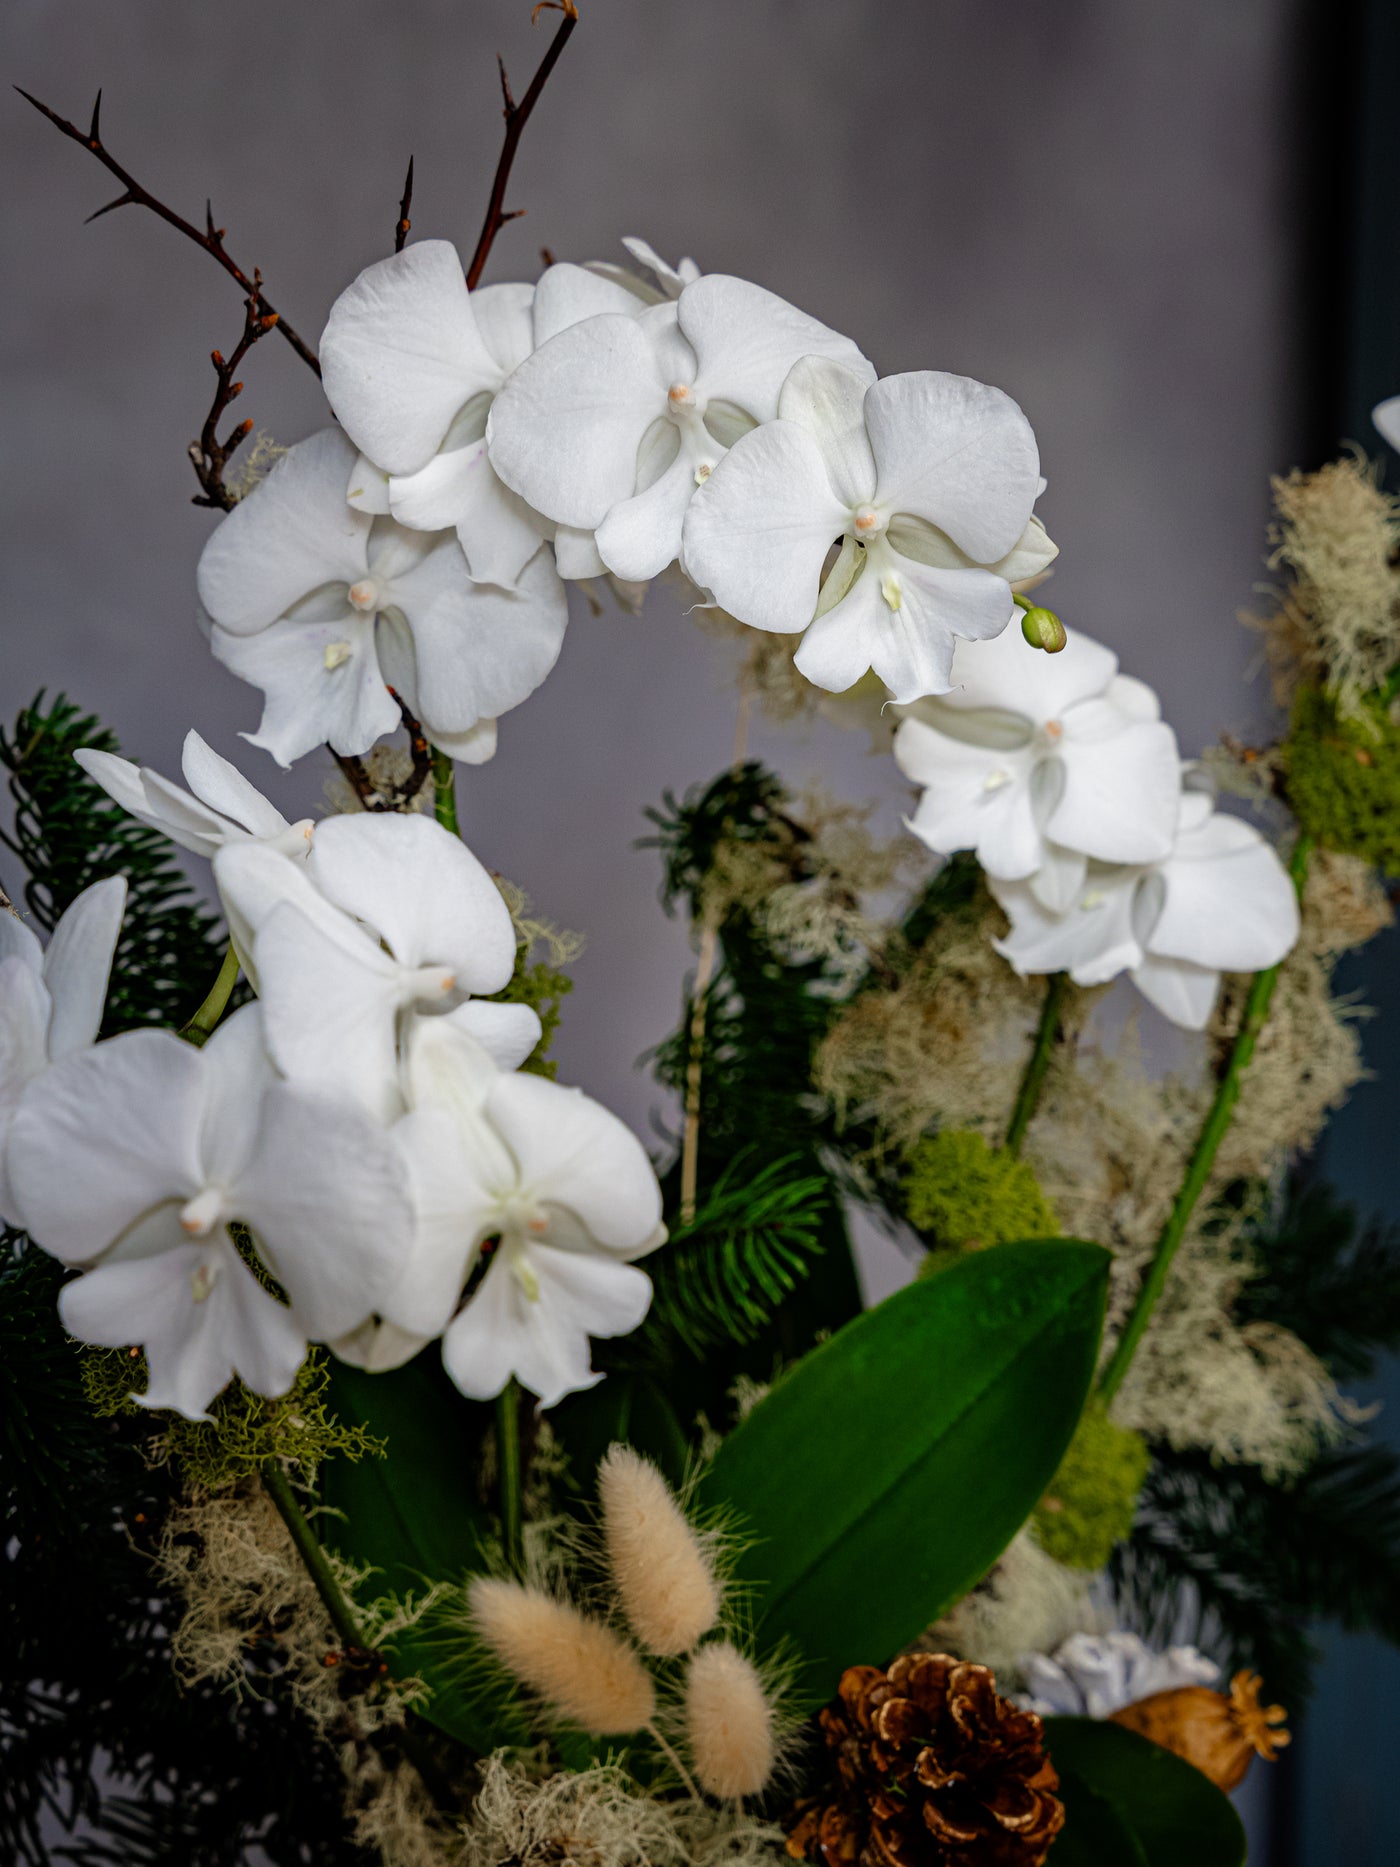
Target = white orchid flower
(137,1155)
(220,807)
(411,361)
(390,919)
(1039,762)
(927,480)
(1220,902)
(51,999)
(557,1195)
(611,425)
(569,293)
(1386,416)
(320,606)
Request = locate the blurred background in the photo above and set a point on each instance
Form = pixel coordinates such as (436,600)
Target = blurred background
(1168,230)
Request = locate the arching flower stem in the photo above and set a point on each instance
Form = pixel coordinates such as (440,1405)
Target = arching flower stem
(201,1026)
(445,792)
(1198,1170)
(1038,1063)
(508,1459)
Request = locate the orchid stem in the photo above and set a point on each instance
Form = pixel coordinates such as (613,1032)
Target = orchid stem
(309,1549)
(445,792)
(201,1026)
(1038,1063)
(508,1458)
(1198,1170)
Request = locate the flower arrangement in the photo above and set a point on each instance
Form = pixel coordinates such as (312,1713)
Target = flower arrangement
(493,1491)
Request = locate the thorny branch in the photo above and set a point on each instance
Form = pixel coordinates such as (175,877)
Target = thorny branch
(209,455)
(516,116)
(134,195)
(405,203)
(398,796)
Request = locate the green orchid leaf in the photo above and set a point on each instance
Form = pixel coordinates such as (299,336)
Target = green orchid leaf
(415,1517)
(883,1476)
(1173,1815)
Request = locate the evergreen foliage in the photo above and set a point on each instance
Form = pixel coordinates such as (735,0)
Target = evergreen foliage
(68,834)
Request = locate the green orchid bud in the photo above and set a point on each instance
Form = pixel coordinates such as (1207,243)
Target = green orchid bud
(1042,628)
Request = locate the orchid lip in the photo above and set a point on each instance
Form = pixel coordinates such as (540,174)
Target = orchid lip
(201,1214)
(364,595)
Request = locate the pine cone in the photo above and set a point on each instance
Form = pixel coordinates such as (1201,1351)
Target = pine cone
(933,1770)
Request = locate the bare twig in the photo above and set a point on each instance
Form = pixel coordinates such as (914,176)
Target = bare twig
(404,223)
(398,796)
(209,455)
(134,195)
(516,116)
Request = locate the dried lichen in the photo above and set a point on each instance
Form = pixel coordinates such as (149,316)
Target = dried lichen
(1027,1603)
(1337,623)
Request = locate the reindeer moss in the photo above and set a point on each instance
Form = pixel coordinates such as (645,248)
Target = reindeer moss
(1093,1496)
(1344,776)
(962,1194)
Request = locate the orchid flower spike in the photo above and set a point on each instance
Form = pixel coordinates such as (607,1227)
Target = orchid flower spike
(138,1155)
(927,481)
(391,917)
(219,807)
(611,425)
(51,1000)
(1221,901)
(324,608)
(556,1196)
(1039,763)
(411,361)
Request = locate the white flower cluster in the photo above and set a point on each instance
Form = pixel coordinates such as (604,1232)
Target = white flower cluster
(494,443)
(362,1137)
(1103,850)
(1095,1675)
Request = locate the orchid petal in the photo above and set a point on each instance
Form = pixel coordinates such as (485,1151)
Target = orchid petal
(565,429)
(641,536)
(1121,795)
(746,340)
(194,1345)
(223,788)
(422,890)
(321,683)
(25,1010)
(1061,879)
(326,1194)
(1007,673)
(1228,903)
(103,1137)
(473,747)
(368,490)
(567,294)
(1093,941)
(481,649)
(957,453)
(446,1224)
(290,535)
(505,323)
(1181,991)
(758,531)
(507,1033)
(401,353)
(974,798)
(574,1153)
(497,531)
(828,400)
(576,554)
(238,1072)
(1386,416)
(78,962)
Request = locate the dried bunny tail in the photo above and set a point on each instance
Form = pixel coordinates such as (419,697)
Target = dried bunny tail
(663,1570)
(729,1723)
(583,1670)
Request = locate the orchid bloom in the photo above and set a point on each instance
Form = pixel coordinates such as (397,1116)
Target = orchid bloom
(1220,902)
(552,1191)
(51,999)
(391,918)
(411,362)
(137,1156)
(611,425)
(1386,416)
(927,480)
(320,606)
(1040,762)
(219,807)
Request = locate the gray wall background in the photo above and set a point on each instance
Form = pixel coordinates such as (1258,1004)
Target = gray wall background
(1092,205)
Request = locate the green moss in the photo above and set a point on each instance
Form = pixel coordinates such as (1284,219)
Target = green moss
(1093,1496)
(1344,776)
(963,1194)
(244,1430)
(542,984)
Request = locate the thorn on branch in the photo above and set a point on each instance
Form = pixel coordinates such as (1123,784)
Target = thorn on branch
(405,203)
(398,797)
(517,115)
(135,195)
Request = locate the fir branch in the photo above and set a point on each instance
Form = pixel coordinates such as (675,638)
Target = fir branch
(722,1277)
(68,834)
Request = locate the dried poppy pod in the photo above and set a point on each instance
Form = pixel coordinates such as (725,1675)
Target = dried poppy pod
(1220,1735)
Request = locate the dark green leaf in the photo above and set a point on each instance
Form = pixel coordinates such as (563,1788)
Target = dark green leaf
(417,1518)
(1176,1815)
(879,1480)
